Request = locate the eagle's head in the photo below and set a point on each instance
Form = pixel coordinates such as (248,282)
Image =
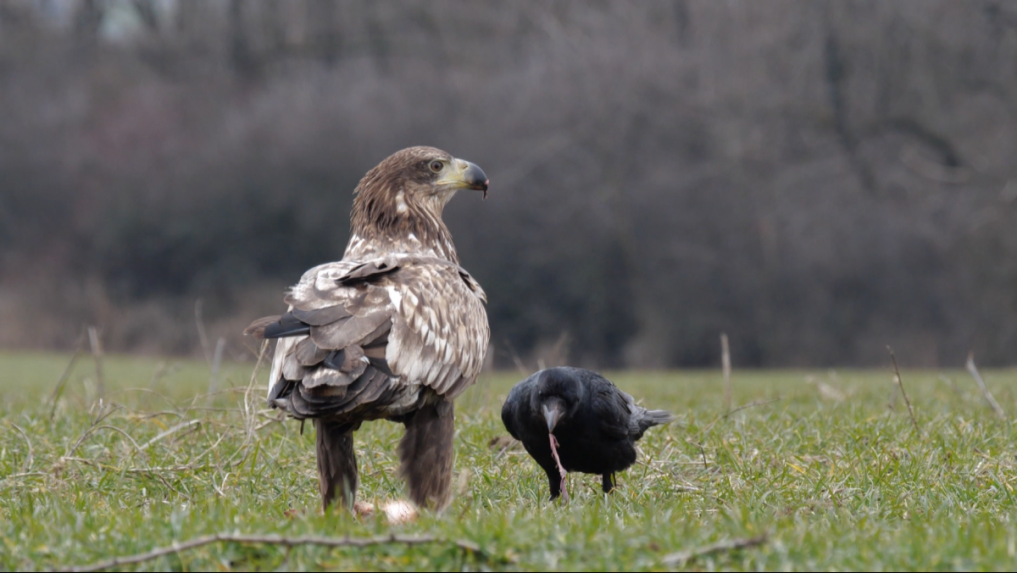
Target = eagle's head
(398,204)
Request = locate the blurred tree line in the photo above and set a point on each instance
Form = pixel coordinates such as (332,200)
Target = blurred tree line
(816,179)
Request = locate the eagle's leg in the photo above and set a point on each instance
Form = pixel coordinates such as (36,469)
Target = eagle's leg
(426,456)
(608,482)
(337,463)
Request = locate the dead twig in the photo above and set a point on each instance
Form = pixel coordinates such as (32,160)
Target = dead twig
(515,358)
(276,420)
(725,361)
(21,475)
(96,344)
(213,380)
(171,431)
(683,557)
(94,429)
(58,391)
(102,416)
(702,451)
(199,321)
(468,547)
(953,385)
(31,453)
(154,415)
(752,405)
(903,393)
(248,413)
(160,478)
(981,386)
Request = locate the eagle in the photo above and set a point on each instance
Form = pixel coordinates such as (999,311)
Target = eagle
(396,330)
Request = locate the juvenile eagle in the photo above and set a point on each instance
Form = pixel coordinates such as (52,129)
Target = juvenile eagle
(396,330)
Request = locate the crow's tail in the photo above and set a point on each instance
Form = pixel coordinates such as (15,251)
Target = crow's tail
(649,418)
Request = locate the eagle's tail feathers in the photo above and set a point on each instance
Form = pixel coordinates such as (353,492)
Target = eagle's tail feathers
(288,325)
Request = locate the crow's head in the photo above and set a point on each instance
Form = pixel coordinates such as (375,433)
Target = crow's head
(558,397)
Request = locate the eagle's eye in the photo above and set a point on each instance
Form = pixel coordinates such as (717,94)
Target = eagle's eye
(437,166)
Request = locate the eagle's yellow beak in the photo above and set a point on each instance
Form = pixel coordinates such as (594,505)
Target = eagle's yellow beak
(464,175)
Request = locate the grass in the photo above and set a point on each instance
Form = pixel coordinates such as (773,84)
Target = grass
(831,475)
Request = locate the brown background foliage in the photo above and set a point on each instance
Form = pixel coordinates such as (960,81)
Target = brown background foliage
(816,179)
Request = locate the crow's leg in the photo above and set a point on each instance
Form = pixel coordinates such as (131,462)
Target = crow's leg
(426,455)
(608,482)
(337,463)
(554,480)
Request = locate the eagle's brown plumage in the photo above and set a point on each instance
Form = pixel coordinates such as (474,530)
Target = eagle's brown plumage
(395,330)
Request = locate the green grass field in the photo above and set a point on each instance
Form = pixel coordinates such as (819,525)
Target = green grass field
(819,464)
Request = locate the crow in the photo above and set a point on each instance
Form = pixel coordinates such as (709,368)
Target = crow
(571,419)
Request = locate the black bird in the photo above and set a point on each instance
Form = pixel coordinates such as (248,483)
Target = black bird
(593,424)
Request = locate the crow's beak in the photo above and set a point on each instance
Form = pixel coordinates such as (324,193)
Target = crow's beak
(551,414)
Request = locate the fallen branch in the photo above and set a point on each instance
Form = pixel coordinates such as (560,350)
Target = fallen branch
(682,557)
(468,547)
(981,385)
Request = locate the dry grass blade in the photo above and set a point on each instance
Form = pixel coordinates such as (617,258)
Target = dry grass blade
(95,429)
(682,557)
(981,386)
(95,423)
(170,432)
(467,546)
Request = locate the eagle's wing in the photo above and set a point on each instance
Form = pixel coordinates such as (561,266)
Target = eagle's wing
(373,334)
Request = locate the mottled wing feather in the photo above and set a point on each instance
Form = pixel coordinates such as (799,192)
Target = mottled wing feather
(307,353)
(396,325)
(321,316)
(440,321)
(350,330)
